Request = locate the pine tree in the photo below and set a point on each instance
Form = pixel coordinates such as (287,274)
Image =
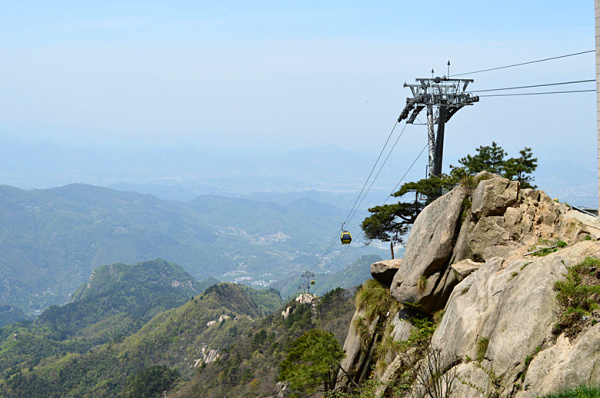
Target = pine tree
(390,222)
(311,360)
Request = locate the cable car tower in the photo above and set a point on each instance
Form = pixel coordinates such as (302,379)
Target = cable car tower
(442,97)
(305,286)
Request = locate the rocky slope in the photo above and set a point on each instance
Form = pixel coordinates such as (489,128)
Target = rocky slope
(502,269)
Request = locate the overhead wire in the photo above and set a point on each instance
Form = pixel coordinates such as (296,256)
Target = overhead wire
(354,206)
(534,86)
(332,262)
(371,172)
(379,171)
(360,197)
(524,63)
(539,93)
(405,174)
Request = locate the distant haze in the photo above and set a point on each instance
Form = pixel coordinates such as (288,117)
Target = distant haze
(335,174)
(182,98)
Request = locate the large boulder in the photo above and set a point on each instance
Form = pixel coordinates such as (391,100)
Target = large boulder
(492,196)
(357,347)
(504,313)
(384,271)
(468,253)
(428,250)
(464,268)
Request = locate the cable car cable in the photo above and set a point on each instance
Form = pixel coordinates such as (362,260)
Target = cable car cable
(533,85)
(371,173)
(358,200)
(539,93)
(524,63)
(407,171)
(377,175)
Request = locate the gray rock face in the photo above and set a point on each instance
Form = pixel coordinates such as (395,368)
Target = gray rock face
(493,196)
(357,358)
(464,268)
(564,365)
(511,307)
(428,249)
(384,271)
(467,253)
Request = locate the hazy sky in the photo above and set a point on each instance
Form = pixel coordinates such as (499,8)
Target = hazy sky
(286,75)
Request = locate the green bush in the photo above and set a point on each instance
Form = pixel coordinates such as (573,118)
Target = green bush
(376,300)
(579,392)
(575,296)
(482,346)
(151,382)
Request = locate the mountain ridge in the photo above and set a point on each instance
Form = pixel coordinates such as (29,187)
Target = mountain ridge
(51,240)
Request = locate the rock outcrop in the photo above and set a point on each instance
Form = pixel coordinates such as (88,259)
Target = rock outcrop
(428,250)
(495,220)
(470,254)
(508,309)
(384,271)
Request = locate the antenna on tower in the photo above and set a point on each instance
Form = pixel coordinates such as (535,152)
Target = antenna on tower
(447,96)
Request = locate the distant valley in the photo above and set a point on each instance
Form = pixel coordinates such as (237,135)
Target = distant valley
(51,240)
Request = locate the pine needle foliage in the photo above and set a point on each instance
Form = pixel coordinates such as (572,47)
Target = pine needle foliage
(311,361)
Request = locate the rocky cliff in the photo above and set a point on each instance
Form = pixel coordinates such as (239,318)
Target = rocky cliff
(496,296)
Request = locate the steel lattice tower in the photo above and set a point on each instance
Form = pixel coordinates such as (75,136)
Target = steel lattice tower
(442,97)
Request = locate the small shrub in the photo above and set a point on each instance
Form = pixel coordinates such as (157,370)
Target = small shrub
(437,317)
(518,386)
(525,265)
(376,300)
(469,182)
(579,392)
(545,251)
(482,346)
(422,284)
(420,336)
(466,208)
(578,294)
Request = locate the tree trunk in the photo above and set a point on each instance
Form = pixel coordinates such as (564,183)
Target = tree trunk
(392,248)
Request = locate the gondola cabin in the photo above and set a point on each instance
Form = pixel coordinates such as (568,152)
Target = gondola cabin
(346,238)
(312,282)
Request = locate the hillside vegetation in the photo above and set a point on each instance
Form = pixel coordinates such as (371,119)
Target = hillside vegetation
(250,366)
(55,357)
(116,302)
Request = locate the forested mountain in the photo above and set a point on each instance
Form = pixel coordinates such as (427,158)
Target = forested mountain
(250,366)
(10,314)
(52,239)
(116,302)
(100,356)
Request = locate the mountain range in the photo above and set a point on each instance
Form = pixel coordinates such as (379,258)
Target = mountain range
(125,318)
(52,239)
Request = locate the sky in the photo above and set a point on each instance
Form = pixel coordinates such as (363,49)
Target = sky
(282,75)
